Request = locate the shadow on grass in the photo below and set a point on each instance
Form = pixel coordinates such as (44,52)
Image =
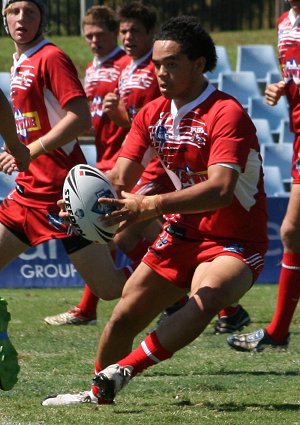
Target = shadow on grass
(232,407)
(257,373)
(230,373)
(226,407)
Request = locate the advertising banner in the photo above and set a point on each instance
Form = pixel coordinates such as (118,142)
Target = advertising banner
(276,210)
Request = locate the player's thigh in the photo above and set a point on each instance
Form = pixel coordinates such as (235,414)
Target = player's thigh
(221,282)
(96,266)
(290,229)
(130,237)
(145,295)
(10,246)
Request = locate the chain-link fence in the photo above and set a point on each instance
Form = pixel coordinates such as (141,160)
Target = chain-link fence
(215,15)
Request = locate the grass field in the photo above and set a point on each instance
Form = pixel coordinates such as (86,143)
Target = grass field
(205,383)
(79,52)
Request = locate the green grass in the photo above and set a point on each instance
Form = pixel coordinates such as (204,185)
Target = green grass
(79,52)
(205,383)
(75,47)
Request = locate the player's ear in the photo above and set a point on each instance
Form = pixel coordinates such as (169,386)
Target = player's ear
(200,64)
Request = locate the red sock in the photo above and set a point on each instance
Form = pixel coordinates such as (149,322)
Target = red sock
(148,353)
(228,311)
(97,369)
(287,298)
(88,303)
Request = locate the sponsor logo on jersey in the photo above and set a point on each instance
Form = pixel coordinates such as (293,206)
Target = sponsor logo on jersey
(26,122)
(97,107)
(106,75)
(136,81)
(196,136)
(161,134)
(161,243)
(190,177)
(291,71)
(235,247)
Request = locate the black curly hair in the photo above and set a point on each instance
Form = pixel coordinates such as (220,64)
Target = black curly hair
(146,14)
(194,40)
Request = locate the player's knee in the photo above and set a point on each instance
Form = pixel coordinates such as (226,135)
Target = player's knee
(107,292)
(124,321)
(290,236)
(210,299)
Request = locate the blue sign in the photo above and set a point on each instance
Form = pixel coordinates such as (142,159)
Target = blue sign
(276,209)
(44,266)
(48,266)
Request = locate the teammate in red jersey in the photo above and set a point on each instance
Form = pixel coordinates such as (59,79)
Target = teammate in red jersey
(20,159)
(51,110)
(114,106)
(139,75)
(100,27)
(117,86)
(215,231)
(276,334)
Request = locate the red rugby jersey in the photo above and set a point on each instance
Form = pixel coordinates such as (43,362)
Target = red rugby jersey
(138,85)
(212,129)
(43,80)
(289,57)
(102,77)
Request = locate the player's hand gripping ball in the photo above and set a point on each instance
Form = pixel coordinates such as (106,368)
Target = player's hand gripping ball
(83,186)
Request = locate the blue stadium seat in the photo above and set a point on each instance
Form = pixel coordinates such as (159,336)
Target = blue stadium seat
(285,134)
(241,85)
(89,150)
(7,183)
(258,108)
(259,58)
(5,87)
(263,131)
(279,155)
(5,83)
(273,181)
(273,77)
(223,65)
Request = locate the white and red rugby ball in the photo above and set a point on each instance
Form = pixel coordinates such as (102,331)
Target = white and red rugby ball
(83,186)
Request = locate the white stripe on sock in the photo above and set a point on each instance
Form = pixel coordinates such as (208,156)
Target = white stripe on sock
(290,267)
(148,353)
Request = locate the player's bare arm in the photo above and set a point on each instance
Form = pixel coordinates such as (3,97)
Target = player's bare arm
(76,121)
(214,193)
(15,156)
